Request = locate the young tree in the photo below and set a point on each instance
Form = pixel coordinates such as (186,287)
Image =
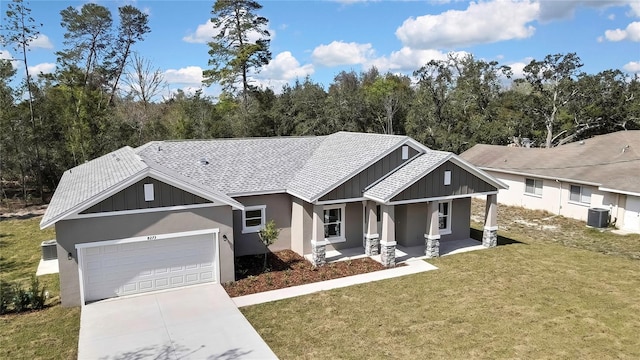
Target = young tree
(19,31)
(268,235)
(241,45)
(553,82)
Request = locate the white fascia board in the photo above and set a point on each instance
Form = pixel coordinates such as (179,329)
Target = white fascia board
(440,198)
(538,176)
(378,200)
(293,193)
(339,201)
(478,172)
(256,193)
(624,192)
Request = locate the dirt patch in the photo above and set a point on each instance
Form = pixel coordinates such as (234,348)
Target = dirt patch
(21,213)
(286,268)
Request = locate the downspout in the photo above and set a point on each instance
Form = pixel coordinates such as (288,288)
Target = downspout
(559,197)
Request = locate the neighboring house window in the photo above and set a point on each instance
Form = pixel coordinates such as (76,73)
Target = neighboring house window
(253,218)
(533,187)
(580,194)
(334,222)
(444,215)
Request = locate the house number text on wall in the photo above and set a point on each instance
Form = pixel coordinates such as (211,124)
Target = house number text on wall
(151,237)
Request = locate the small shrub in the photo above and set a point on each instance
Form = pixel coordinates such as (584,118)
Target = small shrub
(14,298)
(21,298)
(37,294)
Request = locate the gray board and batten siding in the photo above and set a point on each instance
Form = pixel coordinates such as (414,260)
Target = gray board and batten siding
(132,198)
(432,185)
(354,187)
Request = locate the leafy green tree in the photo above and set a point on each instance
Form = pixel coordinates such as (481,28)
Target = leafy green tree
(387,96)
(88,38)
(553,82)
(240,47)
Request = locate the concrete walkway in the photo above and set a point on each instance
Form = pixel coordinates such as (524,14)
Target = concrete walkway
(411,267)
(197,322)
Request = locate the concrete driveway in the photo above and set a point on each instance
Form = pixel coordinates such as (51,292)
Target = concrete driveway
(198,322)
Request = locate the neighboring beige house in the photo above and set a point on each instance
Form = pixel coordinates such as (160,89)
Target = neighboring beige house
(602,172)
(174,213)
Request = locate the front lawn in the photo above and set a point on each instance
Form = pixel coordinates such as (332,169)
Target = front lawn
(563,291)
(44,334)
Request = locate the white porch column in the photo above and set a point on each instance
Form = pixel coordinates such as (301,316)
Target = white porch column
(371,238)
(432,236)
(318,242)
(388,242)
(490,231)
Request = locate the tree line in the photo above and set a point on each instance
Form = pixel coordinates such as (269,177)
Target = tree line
(103,95)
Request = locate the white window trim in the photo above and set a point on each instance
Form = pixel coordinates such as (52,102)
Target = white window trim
(447,230)
(581,203)
(148,192)
(263,216)
(341,238)
(447,177)
(535,181)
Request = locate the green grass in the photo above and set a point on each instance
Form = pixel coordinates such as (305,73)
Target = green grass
(554,295)
(44,334)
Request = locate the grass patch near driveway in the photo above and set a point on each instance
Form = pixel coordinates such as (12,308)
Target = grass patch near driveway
(542,298)
(44,334)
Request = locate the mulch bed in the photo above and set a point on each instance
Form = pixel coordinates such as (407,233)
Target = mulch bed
(286,268)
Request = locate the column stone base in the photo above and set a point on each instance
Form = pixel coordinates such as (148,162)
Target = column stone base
(371,244)
(431,245)
(319,252)
(388,253)
(490,237)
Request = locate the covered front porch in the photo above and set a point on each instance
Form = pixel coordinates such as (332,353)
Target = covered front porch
(403,254)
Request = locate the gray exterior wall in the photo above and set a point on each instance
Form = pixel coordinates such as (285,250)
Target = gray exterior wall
(278,209)
(432,185)
(354,187)
(411,222)
(132,198)
(301,223)
(352,227)
(76,231)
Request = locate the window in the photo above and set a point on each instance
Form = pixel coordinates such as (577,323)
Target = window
(333,223)
(253,218)
(533,187)
(148,192)
(447,177)
(444,216)
(580,194)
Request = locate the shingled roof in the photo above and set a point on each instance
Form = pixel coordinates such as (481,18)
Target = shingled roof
(610,161)
(220,169)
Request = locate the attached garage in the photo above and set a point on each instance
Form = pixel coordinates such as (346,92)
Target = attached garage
(122,267)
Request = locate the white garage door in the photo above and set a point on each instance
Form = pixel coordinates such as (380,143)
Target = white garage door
(632,214)
(156,263)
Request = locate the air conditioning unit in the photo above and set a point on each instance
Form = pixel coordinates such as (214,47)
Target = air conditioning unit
(598,218)
(49,249)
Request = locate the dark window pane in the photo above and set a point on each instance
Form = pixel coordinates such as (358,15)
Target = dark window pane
(253,214)
(253,222)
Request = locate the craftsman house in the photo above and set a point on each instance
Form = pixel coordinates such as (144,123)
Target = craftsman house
(174,213)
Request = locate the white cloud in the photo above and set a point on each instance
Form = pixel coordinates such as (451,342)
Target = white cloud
(285,67)
(42,42)
(632,67)
(205,32)
(480,23)
(191,75)
(6,55)
(44,68)
(407,59)
(342,53)
(631,33)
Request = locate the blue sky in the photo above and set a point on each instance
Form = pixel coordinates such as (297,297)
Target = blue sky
(322,38)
